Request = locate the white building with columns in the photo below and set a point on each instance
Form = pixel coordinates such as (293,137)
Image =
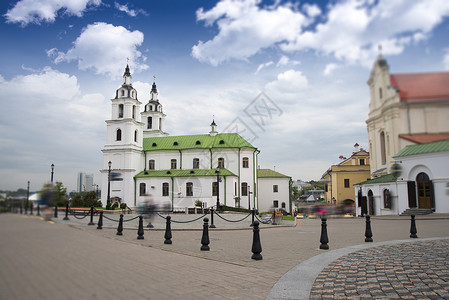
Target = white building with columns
(180,170)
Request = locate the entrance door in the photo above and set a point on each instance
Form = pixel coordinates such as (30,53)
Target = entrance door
(370,203)
(424,187)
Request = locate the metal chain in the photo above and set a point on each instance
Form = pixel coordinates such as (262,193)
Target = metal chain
(264,222)
(232,220)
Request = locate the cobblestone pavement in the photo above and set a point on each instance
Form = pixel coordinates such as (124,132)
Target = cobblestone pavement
(418,270)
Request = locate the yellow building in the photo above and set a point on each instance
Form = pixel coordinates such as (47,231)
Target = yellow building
(340,179)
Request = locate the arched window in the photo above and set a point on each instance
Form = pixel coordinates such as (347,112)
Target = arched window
(189,189)
(383,153)
(151,164)
(135,136)
(173,164)
(214,188)
(283,205)
(134,111)
(123,93)
(150,123)
(119,135)
(132,95)
(165,189)
(160,123)
(387,198)
(245,162)
(196,163)
(151,107)
(142,189)
(221,162)
(244,189)
(120,110)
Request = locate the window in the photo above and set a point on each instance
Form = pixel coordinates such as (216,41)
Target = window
(387,199)
(275,188)
(196,163)
(119,135)
(123,93)
(362,161)
(382,148)
(173,164)
(245,162)
(142,189)
(189,189)
(165,189)
(150,123)
(244,189)
(275,204)
(326,188)
(151,164)
(120,110)
(151,107)
(135,136)
(160,123)
(134,111)
(221,162)
(346,183)
(283,204)
(214,188)
(380,93)
(235,188)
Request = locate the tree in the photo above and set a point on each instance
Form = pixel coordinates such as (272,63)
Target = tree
(60,194)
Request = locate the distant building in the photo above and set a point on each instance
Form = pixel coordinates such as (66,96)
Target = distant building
(300,184)
(85,182)
(340,178)
(311,196)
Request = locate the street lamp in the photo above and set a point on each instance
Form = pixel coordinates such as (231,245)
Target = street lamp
(109,183)
(249,197)
(218,188)
(28,196)
(52,171)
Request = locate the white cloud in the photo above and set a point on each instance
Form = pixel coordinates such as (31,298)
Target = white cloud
(284,60)
(261,66)
(103,48)
(348,30)
(128,11)
(446,59)
(244,29)
(36,11)
(289,82)
(330,68)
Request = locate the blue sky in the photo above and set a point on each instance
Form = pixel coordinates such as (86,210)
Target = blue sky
(63,60)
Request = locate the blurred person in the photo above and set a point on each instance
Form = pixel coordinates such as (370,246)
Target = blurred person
(47,200)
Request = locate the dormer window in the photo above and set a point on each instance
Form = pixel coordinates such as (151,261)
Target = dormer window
(198,143)
(221,142)
(154,145)
(175,144)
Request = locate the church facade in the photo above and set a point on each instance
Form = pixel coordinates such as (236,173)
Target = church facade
(180,171)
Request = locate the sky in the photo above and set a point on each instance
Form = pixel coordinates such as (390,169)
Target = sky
(289,76)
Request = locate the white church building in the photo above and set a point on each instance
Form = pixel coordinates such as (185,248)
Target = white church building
(181,170)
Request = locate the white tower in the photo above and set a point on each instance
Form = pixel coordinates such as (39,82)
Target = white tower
(153,117)
(123,145)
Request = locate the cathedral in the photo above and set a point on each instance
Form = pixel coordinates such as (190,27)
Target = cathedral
(141,160)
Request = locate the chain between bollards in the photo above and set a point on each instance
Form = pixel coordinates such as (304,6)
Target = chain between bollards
(56,211)
(66,211)
(368,232)
(167,235)
(100,221)
(120,225)
(324,240)
(140,230)
(205,238)
(91,216)
(212,218)
(257,247)
(413,231)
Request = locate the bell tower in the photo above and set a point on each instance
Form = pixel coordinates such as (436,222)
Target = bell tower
(152,117)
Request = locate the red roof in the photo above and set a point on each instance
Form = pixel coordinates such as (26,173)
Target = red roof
(421,86)
(425,137)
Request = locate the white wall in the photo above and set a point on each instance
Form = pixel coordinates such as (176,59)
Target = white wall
(267,196)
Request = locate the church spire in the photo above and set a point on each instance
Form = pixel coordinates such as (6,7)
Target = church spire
(213,126)
(154,92)
(127,75)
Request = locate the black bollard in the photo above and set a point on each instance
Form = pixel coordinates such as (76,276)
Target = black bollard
(21,209)
(324,239)
(91,216)
(100,221)
(56,211)
(205,237)
(31,208)
(257,247)
(368,232)
(212,218)
(413,231)
(252,217)
(168,231)
(140,230)
(66,211)
(38,210)
(26,209)
(120,225)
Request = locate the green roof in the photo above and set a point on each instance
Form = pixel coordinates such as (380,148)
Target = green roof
(267,173)
(200,141)
(380,179)
(183,173)
(424,148)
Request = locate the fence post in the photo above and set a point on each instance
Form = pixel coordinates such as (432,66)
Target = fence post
(324,240)
(168,231)
(205,237)
(100,221)
(257,247)
(66,211)
(140,230)
(368,232)
(120,225)
(413,231)
(212,218)
(91,216)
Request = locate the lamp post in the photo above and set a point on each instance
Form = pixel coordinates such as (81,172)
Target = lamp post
(249,197)
(52,171)
(109,183)
(28,195)
(218,188)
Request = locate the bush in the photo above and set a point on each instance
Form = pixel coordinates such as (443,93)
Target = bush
(115,205)
(198,203)
(108,206)
(123,206)
(229,208)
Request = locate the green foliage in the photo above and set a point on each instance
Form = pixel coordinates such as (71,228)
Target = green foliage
(115,205)
(108,206)
(60,194)
(87,199)
(229,208)
(288,218)
(198,203)
(123,206)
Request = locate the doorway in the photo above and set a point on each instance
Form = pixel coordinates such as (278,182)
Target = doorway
(424,188)
(370,203)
